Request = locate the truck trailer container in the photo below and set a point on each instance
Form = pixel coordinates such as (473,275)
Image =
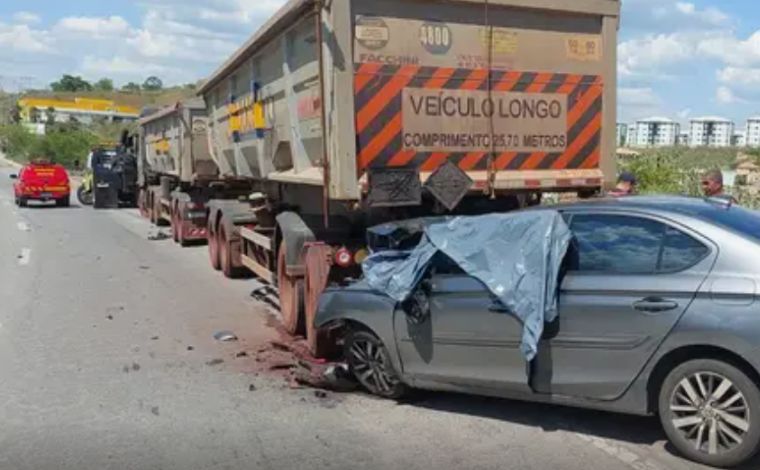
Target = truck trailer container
(337,115)
(176,174)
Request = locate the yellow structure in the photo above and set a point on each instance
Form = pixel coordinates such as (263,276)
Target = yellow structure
(84,110)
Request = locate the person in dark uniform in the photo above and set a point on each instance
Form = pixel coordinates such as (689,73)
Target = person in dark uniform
(626,185)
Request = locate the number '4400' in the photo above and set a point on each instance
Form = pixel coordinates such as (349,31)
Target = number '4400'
(435,37)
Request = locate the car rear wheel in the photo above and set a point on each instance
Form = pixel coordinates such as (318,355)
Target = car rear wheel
(63,202)
(710,412)
(369,361)
(22,202)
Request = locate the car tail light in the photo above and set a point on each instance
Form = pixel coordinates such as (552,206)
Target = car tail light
(343,257)
(191,205)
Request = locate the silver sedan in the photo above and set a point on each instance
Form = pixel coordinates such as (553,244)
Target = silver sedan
(658,314)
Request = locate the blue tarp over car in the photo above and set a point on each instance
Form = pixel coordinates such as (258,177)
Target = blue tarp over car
(517,256)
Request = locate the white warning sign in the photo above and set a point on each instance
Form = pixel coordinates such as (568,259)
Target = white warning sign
(466,121)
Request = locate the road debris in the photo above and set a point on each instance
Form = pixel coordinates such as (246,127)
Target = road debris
(190,348)
(241,354)
(320,394)
(109,316)
(135,366)
(154,410)
(251,388)
(215,362)
(154,338)
(159,235)
(225,336)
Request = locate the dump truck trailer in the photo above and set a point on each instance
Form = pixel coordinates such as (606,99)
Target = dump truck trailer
(176,174)
(337,115)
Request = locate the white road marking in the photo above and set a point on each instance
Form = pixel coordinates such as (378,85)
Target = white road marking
(24,257)
(23,226)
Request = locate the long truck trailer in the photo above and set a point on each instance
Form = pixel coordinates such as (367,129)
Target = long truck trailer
(341,114)
(176,174)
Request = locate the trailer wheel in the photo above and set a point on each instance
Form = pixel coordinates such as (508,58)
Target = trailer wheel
(225,255)
(291,294)
(142,205)
(213,244)
(321,343)
(180,229)
(175,226)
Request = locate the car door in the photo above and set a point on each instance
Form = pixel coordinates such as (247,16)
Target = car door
(468,338)
(629,279)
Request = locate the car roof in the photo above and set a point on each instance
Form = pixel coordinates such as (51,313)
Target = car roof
(683,205)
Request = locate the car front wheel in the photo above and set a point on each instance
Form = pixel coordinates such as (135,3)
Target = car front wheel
(710,411)
(370,363)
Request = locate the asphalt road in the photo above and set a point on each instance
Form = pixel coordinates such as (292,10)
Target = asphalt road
(107,361)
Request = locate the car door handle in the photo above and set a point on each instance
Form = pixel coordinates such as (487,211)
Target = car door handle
(655,305)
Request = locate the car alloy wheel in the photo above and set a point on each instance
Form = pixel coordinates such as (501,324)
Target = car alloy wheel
(368,360)
(710,412)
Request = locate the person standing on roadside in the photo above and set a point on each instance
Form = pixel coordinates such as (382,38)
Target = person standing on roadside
(712,185)
(626,185)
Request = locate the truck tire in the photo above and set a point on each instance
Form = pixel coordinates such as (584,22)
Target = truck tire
(142,203)
(321,342)
(213,244)
(291,295)
(175,226)
(225,255)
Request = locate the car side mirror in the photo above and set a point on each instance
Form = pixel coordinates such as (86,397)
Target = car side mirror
(13,176)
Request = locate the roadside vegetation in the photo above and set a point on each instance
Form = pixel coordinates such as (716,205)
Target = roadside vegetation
(69,143)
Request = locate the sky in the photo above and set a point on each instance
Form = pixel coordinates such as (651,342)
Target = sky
(679,59)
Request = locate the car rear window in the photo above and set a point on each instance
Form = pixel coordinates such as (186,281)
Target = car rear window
(735,218)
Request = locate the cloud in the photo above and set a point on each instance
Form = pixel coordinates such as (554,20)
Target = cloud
(651,54)
(94,27)
(121,66)
(724,95)
(731,50)
(671,15)
(21,38)
(638,96)
(26,17)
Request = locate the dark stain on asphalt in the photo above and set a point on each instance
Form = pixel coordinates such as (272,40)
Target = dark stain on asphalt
(135,366)
(125,369)
(215,362)
(190,348)
(241,354)
(251,388)
(110,317)
(154,410)
(155,338)
(144,267)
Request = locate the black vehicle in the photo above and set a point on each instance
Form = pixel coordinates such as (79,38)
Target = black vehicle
(114,173)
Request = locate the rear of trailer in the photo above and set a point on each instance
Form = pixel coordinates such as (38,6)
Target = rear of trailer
(340,114)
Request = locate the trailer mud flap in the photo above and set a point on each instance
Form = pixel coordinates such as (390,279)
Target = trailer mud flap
(296,234)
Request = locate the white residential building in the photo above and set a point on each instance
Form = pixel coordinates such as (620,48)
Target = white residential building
(622,134)
(739,139)
(711,131)
(654,132)
(752,132)
(683,138)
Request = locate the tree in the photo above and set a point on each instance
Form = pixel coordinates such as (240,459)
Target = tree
(71,83)
(104,84)
(131,86)
(153,83)
(50,115)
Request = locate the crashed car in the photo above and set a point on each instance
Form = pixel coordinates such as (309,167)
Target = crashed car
(656,313)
